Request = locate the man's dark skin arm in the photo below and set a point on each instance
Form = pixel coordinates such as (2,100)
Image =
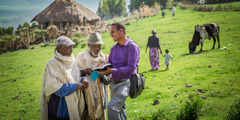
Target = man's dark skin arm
(87,71)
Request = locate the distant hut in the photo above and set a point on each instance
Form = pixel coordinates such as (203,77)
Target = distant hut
(65,13)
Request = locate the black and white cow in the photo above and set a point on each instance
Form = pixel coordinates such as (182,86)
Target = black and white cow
(206,31)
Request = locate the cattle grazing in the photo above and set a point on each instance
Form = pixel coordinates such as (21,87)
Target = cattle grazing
(206,31)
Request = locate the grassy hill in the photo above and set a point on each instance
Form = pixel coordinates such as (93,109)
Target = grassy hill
(217,72)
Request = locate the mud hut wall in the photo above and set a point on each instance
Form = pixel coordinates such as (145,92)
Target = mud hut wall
(43,25)
(93,22)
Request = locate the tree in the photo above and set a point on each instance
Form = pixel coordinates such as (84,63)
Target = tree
(26,24)
(135,4)
(111,8)
(103,10)
(19,26)
(1,31)
(34,24)
(9,30)
(100,10)
(117,7)
(121,8)
(112,5)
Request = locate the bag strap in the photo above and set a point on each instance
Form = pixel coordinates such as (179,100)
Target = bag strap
(128,47)
(128,51)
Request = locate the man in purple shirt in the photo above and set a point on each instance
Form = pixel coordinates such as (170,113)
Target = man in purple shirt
(123,68)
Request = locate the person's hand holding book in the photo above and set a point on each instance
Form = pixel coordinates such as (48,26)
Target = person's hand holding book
(87,71)
(106,72)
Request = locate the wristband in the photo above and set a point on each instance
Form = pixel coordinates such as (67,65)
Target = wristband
(83,78)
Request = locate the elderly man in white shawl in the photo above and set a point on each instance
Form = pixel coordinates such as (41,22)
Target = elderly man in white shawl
(87,60)
(62,96)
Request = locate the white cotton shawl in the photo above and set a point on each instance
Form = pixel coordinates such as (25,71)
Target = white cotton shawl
(85,60)
(60,70)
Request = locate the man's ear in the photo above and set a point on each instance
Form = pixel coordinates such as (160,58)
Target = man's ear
(121,30)
(58,48)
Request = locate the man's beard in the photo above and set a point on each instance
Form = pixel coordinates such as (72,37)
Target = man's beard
(93,53)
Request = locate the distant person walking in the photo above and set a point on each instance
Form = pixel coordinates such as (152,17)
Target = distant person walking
(154,46)
(173,11)
(163,14)
(167,58)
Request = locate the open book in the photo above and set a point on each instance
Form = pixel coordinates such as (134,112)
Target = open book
(95,74)
(104,67)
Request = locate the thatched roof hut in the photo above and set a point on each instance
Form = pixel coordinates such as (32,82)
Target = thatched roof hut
(66,13)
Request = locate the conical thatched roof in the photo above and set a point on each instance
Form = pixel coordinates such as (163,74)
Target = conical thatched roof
(65,11)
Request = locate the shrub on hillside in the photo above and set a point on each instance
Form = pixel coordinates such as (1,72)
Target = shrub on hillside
(184,6)
(159,115)
(39,33)
(78,34)
(198,8)
(191,109)
(76,40)
(26,24)
(237,8)
(234,112)
(210,8)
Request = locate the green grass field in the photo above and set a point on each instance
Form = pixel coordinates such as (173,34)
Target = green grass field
(21,71)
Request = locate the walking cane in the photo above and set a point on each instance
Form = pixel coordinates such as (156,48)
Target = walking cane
(90,103)
(100,91)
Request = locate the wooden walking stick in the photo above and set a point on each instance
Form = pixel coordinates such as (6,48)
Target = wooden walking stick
(91,107)
(100,92)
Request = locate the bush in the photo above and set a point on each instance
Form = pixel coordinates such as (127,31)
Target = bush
(78,34)
(76,40)
(184,6)
(39,31)
(34,24)
(192,109)
(159,115)
(26,24)
(234,112)
(237,8)
(210,8)
(6,37)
